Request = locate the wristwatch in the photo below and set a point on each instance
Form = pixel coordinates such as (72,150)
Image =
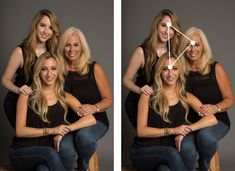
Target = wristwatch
(97,108)
(218,108)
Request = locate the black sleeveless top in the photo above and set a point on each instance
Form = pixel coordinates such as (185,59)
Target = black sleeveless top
(141,78)
(85,89)
(176,116)
(20,79)
(55,115)
(206,89)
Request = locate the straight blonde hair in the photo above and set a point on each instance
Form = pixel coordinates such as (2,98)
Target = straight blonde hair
(151,42)
(30,41)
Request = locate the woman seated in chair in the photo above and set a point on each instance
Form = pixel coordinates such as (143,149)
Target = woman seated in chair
(41,122)
(162,119)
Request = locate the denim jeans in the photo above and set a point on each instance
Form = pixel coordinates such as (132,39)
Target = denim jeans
(205,143)
(188,152)
(68,152)
(156,158)
(83,144)
(163,167)
(35,158)
(42,167)
(86,143)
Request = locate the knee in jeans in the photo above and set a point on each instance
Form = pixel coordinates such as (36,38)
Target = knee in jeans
(188,148)
(68,149)
(42,167)
(52,153)
(207,141)
(173,154)
(163,167)
(85,139)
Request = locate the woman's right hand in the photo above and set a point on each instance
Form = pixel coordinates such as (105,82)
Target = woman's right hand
(181,130)
(60,130)
(26,90)
(146,89)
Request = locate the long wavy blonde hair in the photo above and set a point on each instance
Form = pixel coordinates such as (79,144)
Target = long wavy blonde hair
(151,42)
(82,65)
(158,101)
(31,40)
(206,60)
(38,102)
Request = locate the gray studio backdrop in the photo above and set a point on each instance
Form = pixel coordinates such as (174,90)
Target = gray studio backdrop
(94,18)
(215,18)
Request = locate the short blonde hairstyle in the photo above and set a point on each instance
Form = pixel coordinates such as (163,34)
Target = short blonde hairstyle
(85,59)
(206,57)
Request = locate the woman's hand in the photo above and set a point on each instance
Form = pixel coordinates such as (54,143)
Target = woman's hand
(60,130)
(178,141)
(57,139)
(26,90)
(147,90)
(208,109)
(181,130)
(86,109)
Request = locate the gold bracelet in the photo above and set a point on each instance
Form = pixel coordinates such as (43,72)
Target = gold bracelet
(45,132)
(166,131)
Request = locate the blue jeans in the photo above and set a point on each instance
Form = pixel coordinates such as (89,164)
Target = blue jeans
(205,143)
(156,158)
(163,167)
(68,152)
(42,167)
(188,152)
(35,158)
(85,141)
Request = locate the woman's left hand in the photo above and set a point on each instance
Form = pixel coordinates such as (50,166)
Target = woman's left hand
(57,140)
(178,141)
(208,109)
(86,109)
